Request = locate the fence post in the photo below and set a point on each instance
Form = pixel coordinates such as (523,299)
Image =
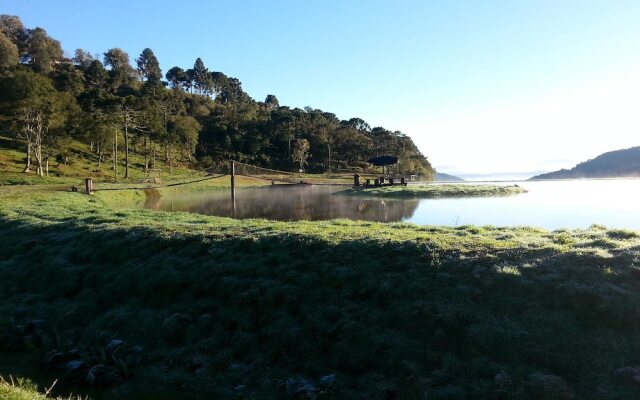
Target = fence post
(233,186)
(88,185)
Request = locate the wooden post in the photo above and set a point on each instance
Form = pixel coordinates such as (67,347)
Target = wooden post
(88,183)
(233,187)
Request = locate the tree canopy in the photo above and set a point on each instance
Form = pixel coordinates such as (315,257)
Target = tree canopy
(197,116)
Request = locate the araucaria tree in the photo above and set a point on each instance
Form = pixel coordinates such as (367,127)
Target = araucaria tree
(127,119)
(149,68)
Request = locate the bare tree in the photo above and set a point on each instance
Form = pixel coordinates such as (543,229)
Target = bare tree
(127,119)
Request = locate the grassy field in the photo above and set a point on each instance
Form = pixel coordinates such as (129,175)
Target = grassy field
(82,164)
(117,302)
(211,307)
(436,191)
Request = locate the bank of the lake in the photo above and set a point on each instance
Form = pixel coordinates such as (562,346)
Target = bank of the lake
(261,309)
(435,190)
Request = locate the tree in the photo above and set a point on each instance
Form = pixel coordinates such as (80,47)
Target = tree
(187,130)
(300,152)
(96,75)
(42,50)
(14,30)
(177,78)
(121,70)
(201,78)
(98,133)
(127,118)
(9,55)
(228,90)
(358,124)
(34,107)
(82,59)
(68,78)
(271,102)
(149,67)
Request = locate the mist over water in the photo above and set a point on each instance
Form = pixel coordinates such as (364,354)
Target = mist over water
(548,204)
(289,203)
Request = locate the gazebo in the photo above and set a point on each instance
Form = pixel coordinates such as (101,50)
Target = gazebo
(383,161)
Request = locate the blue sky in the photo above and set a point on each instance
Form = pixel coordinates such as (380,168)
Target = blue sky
(481,86)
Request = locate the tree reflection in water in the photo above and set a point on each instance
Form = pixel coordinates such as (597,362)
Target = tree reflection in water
(288,203)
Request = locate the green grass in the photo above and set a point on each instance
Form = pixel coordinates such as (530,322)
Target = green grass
(82,163)
(259,309)
(9,392)
(21,389)
(435,191)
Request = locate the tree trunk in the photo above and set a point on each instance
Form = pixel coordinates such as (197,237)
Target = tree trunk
(171,160)
(38,155)
(115,154)
(47,166)
(40,169)
(146,155)
(28,166)
(126,151)
(99,154)
(92,146)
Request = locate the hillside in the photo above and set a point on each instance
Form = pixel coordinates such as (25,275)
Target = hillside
(81,163)
(194,116)
(442,177)
(614,164)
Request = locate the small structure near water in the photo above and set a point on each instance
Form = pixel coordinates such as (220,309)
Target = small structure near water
(380,161)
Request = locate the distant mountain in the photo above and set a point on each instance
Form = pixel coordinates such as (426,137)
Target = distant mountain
(614,164)
(500,176)
(441,177)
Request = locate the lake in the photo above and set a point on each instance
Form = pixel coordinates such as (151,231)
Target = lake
(548,204)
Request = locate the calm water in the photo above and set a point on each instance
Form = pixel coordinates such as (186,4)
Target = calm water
(551,205)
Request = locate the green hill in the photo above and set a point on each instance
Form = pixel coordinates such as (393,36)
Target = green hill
(614,164)
(442,177)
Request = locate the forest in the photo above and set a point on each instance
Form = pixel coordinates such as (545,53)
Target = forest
(192,117)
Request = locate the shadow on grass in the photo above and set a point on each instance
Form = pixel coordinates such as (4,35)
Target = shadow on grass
(268,316)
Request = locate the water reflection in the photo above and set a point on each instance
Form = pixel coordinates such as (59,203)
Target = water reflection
(551,205)
(288,203)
